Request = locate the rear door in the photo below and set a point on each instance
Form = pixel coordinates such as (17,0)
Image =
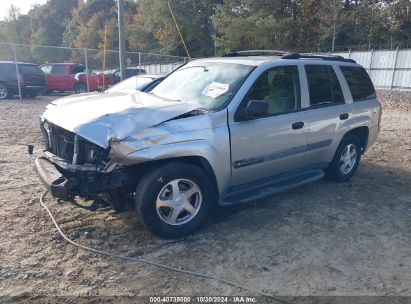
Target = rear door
(58,77)
(274,144)
(328,113)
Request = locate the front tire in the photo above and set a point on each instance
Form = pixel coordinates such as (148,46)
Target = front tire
(174,199)
(80,88)
(346,160)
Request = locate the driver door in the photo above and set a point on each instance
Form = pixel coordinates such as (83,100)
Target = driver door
(275,143)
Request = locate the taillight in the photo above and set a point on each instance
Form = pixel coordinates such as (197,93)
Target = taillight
(20,79)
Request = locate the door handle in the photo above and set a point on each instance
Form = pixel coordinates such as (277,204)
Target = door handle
(344,116)
(297,125)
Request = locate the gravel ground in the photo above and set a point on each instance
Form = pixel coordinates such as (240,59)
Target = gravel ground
(320,239)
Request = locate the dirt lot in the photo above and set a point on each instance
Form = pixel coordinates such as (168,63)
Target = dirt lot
(320,239)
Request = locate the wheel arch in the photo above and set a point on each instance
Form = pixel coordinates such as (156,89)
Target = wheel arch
(215,162)
(362,133)
(197,160)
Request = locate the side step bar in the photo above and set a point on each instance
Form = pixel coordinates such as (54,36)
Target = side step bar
(249,193)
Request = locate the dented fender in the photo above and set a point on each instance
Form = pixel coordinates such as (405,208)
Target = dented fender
(197,148)
(205,136)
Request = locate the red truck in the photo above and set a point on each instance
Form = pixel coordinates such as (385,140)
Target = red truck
(73,77)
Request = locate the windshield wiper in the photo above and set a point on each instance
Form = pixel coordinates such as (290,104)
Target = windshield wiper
(191,67)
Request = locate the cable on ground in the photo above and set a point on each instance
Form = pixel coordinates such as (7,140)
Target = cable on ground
(156,264)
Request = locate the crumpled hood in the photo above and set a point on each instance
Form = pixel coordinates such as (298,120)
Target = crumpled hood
(101,118)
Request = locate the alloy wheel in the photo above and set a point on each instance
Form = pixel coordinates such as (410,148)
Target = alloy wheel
(3,92)
(348,159)
(179,202)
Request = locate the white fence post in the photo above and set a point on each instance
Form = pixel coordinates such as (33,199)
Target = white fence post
(139,60)
(394,68)
(17,70)
(369,68)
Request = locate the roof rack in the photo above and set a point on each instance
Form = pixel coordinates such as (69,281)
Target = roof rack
(257,53)
(323,57)
(287,55)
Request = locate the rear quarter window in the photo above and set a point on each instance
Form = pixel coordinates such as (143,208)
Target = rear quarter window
(30,69)
(359,82)
(7,68)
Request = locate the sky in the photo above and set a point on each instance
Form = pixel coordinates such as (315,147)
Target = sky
(24,6)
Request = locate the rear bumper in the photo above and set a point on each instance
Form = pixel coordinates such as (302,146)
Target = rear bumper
(372,136)
(57,184)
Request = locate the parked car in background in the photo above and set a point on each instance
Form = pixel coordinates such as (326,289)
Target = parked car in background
(130,71)
(143,83)
(30,76)
(73,77)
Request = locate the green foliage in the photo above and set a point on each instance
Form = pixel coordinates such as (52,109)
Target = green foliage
(210,25)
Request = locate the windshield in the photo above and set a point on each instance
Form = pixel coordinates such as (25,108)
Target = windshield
(209,84)
(133,83)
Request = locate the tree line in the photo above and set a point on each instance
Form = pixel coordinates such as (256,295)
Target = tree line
(215,26)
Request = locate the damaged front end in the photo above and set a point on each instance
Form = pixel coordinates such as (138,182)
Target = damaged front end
(72,165)
(80,131)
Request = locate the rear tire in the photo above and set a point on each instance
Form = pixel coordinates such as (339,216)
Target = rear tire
(80,88)
(346,160)
(174,199)
(4,91)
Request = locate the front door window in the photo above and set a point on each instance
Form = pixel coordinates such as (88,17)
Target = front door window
(279,87)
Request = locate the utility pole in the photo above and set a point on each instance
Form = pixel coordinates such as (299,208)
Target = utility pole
(335,20)
(370,32)
(121,39)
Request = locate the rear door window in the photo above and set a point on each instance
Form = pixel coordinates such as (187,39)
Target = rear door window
(359,82)
(58,69)
(323,85)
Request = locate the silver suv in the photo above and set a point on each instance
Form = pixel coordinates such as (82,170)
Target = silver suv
(217,131)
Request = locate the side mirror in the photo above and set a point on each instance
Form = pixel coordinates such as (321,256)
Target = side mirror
(256,108)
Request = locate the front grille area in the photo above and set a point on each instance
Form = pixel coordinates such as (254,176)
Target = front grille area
(62,145)
(61,142)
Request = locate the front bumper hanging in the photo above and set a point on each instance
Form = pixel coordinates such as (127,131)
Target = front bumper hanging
(66,183)
(57,184)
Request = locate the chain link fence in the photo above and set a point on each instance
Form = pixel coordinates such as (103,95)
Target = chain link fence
(96,63)
(388,69)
